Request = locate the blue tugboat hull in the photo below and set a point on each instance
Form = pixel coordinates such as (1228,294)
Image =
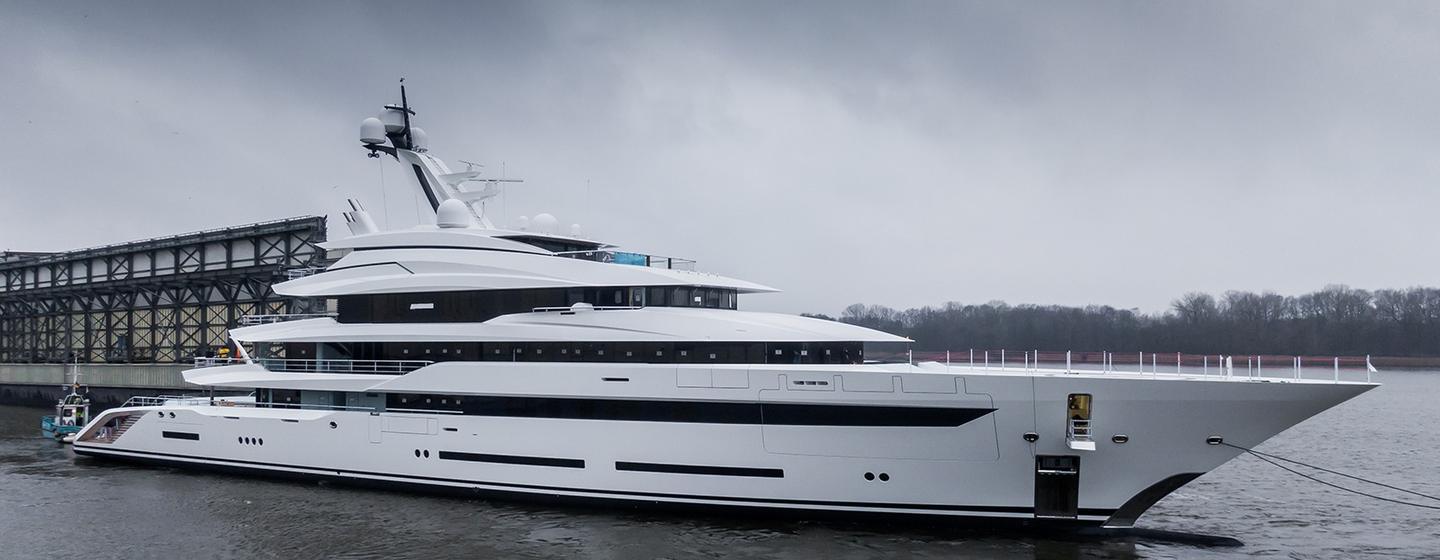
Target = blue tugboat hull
(49,429)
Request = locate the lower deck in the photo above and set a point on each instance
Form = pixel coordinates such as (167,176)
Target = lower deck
(989,450)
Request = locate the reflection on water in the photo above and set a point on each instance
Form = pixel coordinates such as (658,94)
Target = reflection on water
(52,505)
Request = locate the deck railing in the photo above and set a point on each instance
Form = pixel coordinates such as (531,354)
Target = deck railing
(394,367)
(249,320)
(626,257)
(249,402)
(1333,368)
(294,273)
(173,400)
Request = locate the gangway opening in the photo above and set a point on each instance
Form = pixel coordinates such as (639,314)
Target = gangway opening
(1077,429)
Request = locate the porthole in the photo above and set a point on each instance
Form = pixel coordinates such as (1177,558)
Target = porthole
(417,452)
(869,476)
(884,477)
(427,453)
(1120,438)
(262,441)
(172,414)
(240,439)
(162,414)
(333,426)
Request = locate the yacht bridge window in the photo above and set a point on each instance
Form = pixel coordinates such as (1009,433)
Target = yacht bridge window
(482,305)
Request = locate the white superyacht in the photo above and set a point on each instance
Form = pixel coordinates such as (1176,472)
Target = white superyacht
(524,363)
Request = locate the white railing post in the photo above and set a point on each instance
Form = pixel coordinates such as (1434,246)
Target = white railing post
(1067,361)
(1177,363)
(972,359)
(1154,365)
(987,360)
(1337,369)
(1368,368)
(1002,359)
(1027,360)
(947,359)
(1205,365)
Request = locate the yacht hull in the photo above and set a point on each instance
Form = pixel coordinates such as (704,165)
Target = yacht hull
(855,464)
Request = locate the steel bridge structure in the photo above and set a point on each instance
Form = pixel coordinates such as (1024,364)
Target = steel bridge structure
(156,301)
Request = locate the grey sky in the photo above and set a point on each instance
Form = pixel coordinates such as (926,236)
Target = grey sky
(897,153)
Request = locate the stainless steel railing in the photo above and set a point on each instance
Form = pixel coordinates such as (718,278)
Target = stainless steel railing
(630,258)
(396,367)
(250,320)
(249,402)
(1330,368)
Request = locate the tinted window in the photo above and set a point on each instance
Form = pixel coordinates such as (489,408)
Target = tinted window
(482,305)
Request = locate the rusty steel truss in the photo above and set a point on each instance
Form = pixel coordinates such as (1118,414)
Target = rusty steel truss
(161,300)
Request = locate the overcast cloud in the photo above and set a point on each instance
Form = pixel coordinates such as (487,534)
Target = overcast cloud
(904,154)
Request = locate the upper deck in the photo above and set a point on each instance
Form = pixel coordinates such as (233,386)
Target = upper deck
(434,259)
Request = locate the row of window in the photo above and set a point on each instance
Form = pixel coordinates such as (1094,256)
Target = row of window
(482,305)
(631,352)
(651,410)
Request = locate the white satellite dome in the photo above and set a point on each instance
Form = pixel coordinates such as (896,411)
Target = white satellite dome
(545,223)
(574,230)
(419,141)
(372,131)
(522,223)
(453,214)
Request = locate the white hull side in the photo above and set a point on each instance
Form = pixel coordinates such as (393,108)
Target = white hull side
(983,468)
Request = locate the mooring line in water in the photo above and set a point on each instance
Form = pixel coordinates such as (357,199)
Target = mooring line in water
(1268,459)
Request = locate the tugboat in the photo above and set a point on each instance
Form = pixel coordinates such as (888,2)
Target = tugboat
(71,413)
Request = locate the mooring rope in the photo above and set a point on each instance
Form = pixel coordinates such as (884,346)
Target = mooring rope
(1268,458)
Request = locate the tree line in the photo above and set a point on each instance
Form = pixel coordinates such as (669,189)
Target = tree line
(1336,320)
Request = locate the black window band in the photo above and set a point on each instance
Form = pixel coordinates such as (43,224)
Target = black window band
(512,459)
(699,469)
(703,412)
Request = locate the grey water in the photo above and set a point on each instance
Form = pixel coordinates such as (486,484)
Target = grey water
(53,505)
